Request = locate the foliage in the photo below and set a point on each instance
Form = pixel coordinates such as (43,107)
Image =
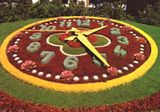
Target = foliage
(57,8)
(151,14)
(112,9)
(13,11)
(76,9)
(38,11)
(24,9)
(7,14)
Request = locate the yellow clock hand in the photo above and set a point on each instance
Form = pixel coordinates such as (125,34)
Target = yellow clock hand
(93,30)
(73,29)
(77,32)
(71,38)
(83,39)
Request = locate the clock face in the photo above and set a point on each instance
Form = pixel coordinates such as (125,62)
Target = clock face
(73,52)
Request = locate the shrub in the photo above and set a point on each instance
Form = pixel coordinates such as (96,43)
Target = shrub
(76,10)
(8,14)
(113,10)
(151,14)
(110,9)
(39,10)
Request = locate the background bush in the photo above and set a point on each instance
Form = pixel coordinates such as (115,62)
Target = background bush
(108,8)
(151,14)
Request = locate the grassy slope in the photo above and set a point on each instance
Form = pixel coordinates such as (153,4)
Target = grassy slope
(140,88)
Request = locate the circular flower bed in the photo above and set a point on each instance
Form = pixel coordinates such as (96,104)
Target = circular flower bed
(30,57)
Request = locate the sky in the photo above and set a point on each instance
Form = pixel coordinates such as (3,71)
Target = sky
(34,1)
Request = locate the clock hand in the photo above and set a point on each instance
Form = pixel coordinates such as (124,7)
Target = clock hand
(83,39)
(71,38)
(77,32)
(46,30)
(73,29)
(93,30)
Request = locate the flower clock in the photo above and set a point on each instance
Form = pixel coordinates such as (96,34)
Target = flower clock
(78,54)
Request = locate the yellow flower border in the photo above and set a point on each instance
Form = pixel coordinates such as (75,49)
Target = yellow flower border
(89,87)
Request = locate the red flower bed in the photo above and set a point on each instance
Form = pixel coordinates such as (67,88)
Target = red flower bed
(11,104)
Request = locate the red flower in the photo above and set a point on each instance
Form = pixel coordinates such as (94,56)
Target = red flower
(126,28)
(13,49)
(92,38)
(74,44)
(141,40)
(113,71)
(63,36)
(139,56)
(67,75)
(28,65)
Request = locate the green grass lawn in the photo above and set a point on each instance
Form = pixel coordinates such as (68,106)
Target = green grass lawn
(145,86)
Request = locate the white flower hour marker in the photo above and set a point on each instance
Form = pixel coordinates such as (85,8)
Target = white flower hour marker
(18,39)
(131,65)
(104,75)
(125,68)
(34,71)
(17,58)
(14,55)
(48,76)
(76,78)
(136,62)
(57,77)
(19,61)
(120,71)
(40,73)
(142,45)
(95,77)
(85,78)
